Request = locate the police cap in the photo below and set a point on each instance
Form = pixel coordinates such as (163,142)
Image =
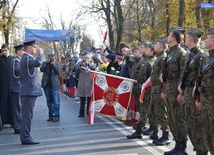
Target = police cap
(30,43)
(19,47)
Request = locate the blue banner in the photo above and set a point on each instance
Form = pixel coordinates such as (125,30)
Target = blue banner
(207,5)
(50,35)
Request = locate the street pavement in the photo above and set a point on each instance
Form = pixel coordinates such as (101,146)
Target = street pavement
(74,136)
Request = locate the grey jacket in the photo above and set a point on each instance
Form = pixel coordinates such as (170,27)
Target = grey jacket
(55,71)
(15,75)
(30,75)
(85,83)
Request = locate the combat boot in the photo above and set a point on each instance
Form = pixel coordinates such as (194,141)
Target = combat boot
(181,148)
(154,135)
(174,150)
(204,153)
(148,132)
(136,134)
(164,140)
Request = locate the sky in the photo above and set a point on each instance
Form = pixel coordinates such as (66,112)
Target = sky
(35,9)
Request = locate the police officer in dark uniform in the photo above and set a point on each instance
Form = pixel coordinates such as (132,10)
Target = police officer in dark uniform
(15,88)
(30,88)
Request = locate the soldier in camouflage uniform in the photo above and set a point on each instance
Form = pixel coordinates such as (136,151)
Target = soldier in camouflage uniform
(147,131)
(193,114)
(207,92)
(144,71)
(134,63)
(175,66)
(160,113)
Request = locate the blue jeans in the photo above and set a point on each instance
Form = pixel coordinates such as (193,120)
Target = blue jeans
(53,101)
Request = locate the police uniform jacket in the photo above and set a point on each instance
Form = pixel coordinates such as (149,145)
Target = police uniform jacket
(15,75)
(30,75)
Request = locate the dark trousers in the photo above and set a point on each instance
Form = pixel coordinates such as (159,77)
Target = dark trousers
(16,110)
(82,105)
(28,103)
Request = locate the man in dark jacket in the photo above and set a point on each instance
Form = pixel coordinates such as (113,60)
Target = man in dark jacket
(5,103)
(50,84)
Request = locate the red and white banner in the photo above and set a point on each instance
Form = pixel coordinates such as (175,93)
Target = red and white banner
(144,86)
(111,96)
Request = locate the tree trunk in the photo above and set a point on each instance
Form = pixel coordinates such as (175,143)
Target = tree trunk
(198,14)
(109,23)
(167,18)
(181,13)
(120,26)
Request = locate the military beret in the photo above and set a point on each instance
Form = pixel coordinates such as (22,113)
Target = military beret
(177,28)
(196,32)
(151,46)
(136,48)
(161,39)
(123,44)
(145,43)
(19,47)
(210,31)
(30,43)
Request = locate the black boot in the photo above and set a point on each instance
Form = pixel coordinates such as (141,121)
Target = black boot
(144,128)
(136,134)
(174,150)
(181,148)
(164,140)
(148,132)
(204,153)
(154,135)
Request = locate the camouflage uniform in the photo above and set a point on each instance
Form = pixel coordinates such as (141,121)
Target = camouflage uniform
(144,74)
(160,113)
(193,117)
(175,62)
(135,64)
(207,99)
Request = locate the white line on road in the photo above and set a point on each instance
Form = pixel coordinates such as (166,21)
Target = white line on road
(140,142)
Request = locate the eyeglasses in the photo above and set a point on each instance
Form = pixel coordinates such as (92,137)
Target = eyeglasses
(4,50)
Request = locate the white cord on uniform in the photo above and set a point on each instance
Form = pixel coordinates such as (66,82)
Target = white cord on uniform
(14,69)
(34,73)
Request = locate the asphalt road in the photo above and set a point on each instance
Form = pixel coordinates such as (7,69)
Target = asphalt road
(73,136)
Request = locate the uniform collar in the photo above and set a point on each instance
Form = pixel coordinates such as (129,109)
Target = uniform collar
(160,53)
(28,54)
(211,53)
(174,47)
(194,50)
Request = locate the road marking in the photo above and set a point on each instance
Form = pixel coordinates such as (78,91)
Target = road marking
(138,141)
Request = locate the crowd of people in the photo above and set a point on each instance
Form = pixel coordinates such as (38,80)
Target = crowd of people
(178,101)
